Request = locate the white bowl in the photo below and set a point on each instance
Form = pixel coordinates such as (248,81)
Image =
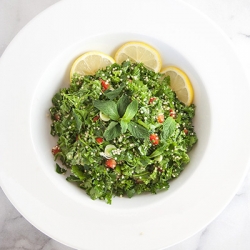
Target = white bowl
(36,65)
(56,76)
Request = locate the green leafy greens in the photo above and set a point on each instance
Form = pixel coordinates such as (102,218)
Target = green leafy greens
(131,104)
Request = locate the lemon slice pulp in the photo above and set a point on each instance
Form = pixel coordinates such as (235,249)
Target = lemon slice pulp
(139,52)
(180,84)
(90,62)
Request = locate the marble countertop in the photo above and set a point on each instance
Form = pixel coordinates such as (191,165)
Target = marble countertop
(231,229)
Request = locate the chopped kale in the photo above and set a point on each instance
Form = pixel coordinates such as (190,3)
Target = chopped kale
(149,145)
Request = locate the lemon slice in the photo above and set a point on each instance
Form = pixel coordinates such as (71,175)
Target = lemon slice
(180,84)
(139,52)
(90,62)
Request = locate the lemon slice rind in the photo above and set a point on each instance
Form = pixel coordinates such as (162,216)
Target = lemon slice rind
(180,84)
(141,53)
(90,62)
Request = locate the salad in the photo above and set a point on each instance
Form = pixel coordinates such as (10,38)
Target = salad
(121,132)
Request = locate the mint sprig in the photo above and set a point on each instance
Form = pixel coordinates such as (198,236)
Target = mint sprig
(122,104)
(124,126)
(137,130)
(168,128)
(112,131)
(131,111)
(108,108)
(121,114)
(112,94)
(129,114)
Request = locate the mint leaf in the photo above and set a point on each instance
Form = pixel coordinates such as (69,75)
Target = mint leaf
(112,131)
(73,178)
(112,94)
(56,100)
(124,126)
(60,170)
(168,128)
(82,112)
(144,160)
(158,151)
(137,130)
(122,105)
(78,172)
(130,193)
(131,111)
(108,108)
(78,121)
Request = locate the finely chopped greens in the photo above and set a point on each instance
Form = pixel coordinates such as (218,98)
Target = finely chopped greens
(121,131)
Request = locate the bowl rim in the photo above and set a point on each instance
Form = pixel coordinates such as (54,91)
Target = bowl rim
(145,227)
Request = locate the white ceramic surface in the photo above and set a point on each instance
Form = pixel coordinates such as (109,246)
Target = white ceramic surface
(34,181)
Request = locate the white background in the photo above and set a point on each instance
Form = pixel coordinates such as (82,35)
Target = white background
(231,229)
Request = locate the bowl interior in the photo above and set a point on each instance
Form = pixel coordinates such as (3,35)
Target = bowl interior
(56,76)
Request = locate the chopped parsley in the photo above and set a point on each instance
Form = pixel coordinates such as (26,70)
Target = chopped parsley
(121,132)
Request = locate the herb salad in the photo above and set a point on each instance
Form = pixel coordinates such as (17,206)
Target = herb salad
(121,131)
